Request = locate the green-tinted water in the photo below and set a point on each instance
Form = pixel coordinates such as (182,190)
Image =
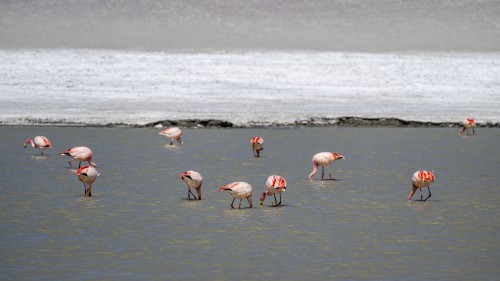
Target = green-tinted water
(139,225)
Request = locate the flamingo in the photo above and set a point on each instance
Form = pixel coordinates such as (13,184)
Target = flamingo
(324,159)
(39,142)
(257,145)
(275,184)
(80,153)
(173,133)
(467,124)
(192,179)
(87,175)
(421,179)
(239,190)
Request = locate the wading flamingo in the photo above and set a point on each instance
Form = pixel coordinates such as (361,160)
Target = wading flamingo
(421,179)
(468,123)
(87,175)
(81,154)
(275,184)
(257,145)
(39,142)
(173,133)
(324,159)
(192,179)
(239,190)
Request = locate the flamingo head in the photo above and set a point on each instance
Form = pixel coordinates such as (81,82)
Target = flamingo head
(26,141)
(263,197)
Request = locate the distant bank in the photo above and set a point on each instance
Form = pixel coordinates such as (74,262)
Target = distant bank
(309,122)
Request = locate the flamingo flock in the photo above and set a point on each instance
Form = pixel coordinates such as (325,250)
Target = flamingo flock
(275,185)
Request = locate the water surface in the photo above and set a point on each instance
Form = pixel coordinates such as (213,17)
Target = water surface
(359,226)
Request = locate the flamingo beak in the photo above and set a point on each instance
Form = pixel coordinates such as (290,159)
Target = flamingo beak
(24,145)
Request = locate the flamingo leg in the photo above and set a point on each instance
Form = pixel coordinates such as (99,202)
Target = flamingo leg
(421,198)
(70,163)
(239,206)
(249,199)
(190,192)
(329,172)
(275,201)
(233,202)
(473,132)
(280,200)
(322,171)
(429,193)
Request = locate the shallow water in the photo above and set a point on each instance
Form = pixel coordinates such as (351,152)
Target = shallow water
(139,225)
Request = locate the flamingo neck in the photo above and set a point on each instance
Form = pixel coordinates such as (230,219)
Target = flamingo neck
(31,142)
(314,171)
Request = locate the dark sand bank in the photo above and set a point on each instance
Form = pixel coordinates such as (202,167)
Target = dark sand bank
(310,122)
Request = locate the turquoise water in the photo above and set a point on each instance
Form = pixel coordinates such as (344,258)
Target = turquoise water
(139,224)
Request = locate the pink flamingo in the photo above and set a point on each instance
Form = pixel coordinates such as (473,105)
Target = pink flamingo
(239,190)
(87,175)
(192,179)
(468,123)
(257,145)
(324,159)
(275,184)
(79,153)
(39,142)
(173,133)
(421,179)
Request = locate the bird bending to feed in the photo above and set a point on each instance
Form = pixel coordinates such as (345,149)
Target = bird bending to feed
(421,179)
(173,133)
(192,179)
(257,145)
(38,142)
(324,159)
(468,123)
(239,190)
(81,154)
(275,184)
(87,175)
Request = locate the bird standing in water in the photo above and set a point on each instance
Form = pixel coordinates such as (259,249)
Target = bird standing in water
(81,154)
(173,133)
(275,184)
(257,145)
(421,179)
(239,190)
(40,142)
(192,179)
(87,175)
(468,123)
(324,159)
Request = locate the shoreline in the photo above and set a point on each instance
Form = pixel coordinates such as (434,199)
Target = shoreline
(345,121)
